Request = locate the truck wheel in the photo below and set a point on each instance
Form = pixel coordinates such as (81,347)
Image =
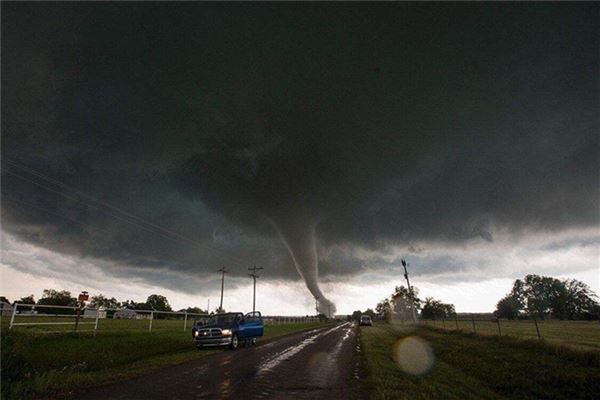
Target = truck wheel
(234,342)
(199,346)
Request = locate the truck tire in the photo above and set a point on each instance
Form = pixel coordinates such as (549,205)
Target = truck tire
(235,342)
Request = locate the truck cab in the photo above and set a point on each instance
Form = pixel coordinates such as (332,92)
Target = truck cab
(228,329)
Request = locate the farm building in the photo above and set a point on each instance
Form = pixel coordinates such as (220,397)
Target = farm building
(130,314)
(7,308)
(91,313)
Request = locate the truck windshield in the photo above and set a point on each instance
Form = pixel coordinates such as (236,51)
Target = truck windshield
(222,319)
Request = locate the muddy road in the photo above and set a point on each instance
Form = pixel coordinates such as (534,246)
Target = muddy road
(317,364)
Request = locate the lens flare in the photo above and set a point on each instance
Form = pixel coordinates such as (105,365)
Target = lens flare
(414,355)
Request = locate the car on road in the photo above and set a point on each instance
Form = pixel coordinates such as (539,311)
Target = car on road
(229,329)
(365,320)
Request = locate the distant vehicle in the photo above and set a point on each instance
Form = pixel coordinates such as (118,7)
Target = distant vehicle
(366,320)
(229,329)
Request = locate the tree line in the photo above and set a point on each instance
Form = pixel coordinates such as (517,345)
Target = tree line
(52,297)
(534,296)
(403,302)
(544,296)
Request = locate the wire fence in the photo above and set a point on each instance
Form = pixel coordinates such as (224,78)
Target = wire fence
(585,334)
(63,319)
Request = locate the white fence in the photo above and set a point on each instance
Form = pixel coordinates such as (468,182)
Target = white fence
(73,319)
(278,320)
(78,316)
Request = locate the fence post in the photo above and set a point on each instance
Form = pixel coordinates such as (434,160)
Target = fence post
(537,328)
(12,319)
(151,318)
(96,324)
(456,321)
(185,322)
(444,322)
(498,322)
(473,320)
(78,313)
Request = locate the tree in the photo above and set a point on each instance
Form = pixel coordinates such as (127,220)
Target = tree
(356,315)
(158,302)
(26,300)
(436,309)
(574,301)
(384,308)
(57,298)
(541,293)
(104,302)
(370,313)
(508,307)
(542,296)
(131,305)
(194,310)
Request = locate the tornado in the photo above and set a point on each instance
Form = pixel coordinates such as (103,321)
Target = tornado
(281,187)
(298,233)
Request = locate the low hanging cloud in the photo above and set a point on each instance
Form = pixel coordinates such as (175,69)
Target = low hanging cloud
(296,137)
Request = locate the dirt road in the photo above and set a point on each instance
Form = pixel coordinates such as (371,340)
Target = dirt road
(318,364)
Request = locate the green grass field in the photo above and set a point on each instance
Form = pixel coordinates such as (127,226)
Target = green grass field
(38,365)
(470,366)
(578,334)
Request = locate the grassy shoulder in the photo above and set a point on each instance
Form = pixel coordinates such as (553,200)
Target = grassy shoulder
(469,366)
(39,366)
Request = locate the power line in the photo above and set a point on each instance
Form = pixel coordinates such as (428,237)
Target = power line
(123,216)
(254,275)
(93,199)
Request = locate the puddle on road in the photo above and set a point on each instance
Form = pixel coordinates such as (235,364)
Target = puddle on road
(278,358)
(324,367)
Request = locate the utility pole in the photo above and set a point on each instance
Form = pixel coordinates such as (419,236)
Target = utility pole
(254,276)
(223,271)
(208,306)
(317,305)
(410,292)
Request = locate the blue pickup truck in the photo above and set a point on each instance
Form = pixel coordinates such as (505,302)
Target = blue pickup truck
(229,329)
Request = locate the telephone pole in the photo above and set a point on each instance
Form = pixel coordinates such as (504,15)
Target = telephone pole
(410,292)
(254,276)
(223,271)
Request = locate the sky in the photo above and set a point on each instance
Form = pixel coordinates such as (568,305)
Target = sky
(146,146)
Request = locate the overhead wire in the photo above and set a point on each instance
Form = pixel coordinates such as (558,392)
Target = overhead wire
(118,213)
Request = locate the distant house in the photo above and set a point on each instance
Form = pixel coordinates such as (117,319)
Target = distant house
(7,308)
(91,313)
(130,314)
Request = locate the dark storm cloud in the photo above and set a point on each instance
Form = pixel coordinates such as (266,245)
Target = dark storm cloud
(235,124)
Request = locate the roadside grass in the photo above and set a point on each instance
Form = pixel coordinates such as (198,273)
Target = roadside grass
(579,334)
(471,366)
(54,365)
